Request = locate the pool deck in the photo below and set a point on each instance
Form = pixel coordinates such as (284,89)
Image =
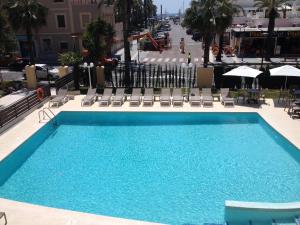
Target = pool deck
(29,214)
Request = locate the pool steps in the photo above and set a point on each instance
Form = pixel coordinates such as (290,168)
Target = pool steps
(296,221)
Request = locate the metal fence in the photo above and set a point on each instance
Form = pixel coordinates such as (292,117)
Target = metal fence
(64,80)
(152,76)
(11,112)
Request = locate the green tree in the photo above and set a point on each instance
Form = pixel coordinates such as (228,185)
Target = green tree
(98,38)
(150,10)
(123,9)
(7,36)
(28,15)
(72,59)
(272,13)
(201,16)
(224,16)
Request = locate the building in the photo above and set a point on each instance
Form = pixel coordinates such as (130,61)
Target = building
(66,23)
(292,9)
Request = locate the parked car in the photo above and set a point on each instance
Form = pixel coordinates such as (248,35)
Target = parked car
(18,65)
(189,31)
(197,36)
(42,71)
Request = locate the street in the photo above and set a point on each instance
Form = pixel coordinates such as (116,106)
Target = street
(173,55)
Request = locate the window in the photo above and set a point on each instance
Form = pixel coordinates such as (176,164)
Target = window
(47,45)
(61,22)
(64,46)
(85,19)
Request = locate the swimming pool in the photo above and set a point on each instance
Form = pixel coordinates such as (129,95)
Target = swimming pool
(176,168)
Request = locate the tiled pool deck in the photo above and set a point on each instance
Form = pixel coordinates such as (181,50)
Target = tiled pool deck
(28,214)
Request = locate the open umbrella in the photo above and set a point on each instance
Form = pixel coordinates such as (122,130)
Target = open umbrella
(243,71)
(285,71)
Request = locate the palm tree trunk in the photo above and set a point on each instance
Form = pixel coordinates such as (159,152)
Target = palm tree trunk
(126,42)
(270,41)
(221,40)
(146,13)
(30,44)
(207,40)
(76,76)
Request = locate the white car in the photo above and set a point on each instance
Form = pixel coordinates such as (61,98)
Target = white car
(41,72)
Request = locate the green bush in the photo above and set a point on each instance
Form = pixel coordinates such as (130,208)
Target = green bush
(70,58)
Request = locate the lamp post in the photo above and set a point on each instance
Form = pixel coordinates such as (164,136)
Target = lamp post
(89,66)
(74,44)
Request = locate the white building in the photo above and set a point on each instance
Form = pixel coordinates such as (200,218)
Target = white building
(292,7)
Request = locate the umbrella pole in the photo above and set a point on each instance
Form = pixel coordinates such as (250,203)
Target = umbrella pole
(285,82)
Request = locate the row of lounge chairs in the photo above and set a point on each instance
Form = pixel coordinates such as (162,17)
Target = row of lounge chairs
(165,97)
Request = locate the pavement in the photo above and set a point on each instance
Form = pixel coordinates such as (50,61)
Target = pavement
(7,75)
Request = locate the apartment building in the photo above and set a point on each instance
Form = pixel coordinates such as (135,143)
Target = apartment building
(292,8)
(66,23)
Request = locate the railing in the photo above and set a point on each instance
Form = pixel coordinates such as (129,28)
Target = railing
(152,76)
(64,80)
(12,112)
(44,113)
(84,2)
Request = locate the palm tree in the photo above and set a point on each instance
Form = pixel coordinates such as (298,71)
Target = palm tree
(149,10)
(97,39)
(272,13)
(27,15)
(124,11)
(224,16)
(7,37)
(201,16)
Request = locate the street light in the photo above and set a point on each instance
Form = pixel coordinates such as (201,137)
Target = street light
(86,66)
(74,42)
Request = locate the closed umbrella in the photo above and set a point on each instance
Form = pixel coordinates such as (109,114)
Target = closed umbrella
(285,71)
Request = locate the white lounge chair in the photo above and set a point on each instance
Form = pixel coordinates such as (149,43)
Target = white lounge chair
(118,99)
(207,99)
(225,100)
(165,97)
(135,99)
(177,97)
(106,97)
(194,97)
(60,98)
(90,97)
(148,97)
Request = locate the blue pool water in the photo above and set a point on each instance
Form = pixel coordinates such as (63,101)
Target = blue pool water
(174,168)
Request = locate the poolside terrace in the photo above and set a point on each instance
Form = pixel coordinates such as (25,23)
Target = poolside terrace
(28,214)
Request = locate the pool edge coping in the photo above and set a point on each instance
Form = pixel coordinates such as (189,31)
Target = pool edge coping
(227,202)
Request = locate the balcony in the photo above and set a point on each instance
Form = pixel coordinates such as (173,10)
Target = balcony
(84,2)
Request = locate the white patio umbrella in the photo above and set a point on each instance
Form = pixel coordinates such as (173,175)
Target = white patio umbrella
(243,71)
(285,71)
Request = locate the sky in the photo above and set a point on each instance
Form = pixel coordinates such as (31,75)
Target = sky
(172,6)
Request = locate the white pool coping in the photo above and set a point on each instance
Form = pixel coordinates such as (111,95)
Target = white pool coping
(28,214)
(290,206)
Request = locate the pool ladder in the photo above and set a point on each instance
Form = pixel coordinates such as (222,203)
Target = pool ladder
(46,113)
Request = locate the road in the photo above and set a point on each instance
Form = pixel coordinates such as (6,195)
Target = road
(173,55)
(7,75)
